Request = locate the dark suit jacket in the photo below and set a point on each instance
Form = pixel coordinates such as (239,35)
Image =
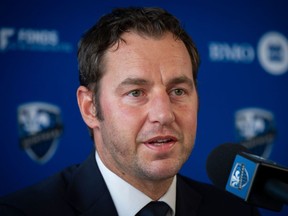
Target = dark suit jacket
(81,190)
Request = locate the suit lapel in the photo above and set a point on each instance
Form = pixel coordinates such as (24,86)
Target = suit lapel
(187,199)
(88,192)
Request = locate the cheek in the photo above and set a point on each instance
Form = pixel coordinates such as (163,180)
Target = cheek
(187,118)
(189,124)
(127,118)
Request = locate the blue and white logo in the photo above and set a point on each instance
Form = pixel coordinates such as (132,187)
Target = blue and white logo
(255,129)
(40,127)
(239,177)
(28,39)
(273,53)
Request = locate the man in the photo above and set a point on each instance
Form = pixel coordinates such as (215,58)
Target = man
(138,96)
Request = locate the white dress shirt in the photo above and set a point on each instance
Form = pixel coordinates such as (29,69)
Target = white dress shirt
(127,199)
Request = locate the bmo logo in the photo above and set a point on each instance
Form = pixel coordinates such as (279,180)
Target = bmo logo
(273,53)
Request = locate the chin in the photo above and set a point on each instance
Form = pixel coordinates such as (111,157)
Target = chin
(166,169)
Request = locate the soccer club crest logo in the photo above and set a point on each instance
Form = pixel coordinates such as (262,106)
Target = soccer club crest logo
(40,127)
(255,129)
(239,177)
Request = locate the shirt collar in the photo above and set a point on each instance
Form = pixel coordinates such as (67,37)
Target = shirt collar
(127,199)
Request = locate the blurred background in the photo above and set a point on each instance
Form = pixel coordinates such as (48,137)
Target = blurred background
(243,82)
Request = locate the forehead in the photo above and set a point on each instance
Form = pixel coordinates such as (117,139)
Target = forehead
(142,54)
(137,42)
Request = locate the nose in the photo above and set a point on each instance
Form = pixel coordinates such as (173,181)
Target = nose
(161,110)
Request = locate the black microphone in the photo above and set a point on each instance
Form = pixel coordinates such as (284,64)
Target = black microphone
(256,180)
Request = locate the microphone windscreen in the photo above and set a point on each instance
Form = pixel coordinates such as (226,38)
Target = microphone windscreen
(220,161)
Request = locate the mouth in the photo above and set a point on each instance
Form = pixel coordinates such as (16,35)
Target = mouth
(161,143)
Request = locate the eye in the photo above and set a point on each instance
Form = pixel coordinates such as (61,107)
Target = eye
(135,93)
(178,92)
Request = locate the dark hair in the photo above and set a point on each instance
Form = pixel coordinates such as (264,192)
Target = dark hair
(153,22)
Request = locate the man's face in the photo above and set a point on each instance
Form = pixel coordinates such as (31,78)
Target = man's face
(149,104)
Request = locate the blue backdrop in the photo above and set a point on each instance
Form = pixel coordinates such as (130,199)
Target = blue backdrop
(243,81)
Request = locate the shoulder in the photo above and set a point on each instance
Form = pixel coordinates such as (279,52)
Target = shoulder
(73,190)
(203,188)
(42,197)
(214,200)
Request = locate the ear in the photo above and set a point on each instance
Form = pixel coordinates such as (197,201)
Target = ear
(86,106)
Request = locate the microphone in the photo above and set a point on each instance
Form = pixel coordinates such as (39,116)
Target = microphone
(256,180)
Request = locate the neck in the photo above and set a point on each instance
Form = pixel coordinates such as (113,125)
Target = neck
(151,187)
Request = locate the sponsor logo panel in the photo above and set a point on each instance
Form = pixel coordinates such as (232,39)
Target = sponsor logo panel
(28,39)
(271,52)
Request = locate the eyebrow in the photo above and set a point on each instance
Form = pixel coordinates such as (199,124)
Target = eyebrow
(181,80)
(143,82)
(134,81)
